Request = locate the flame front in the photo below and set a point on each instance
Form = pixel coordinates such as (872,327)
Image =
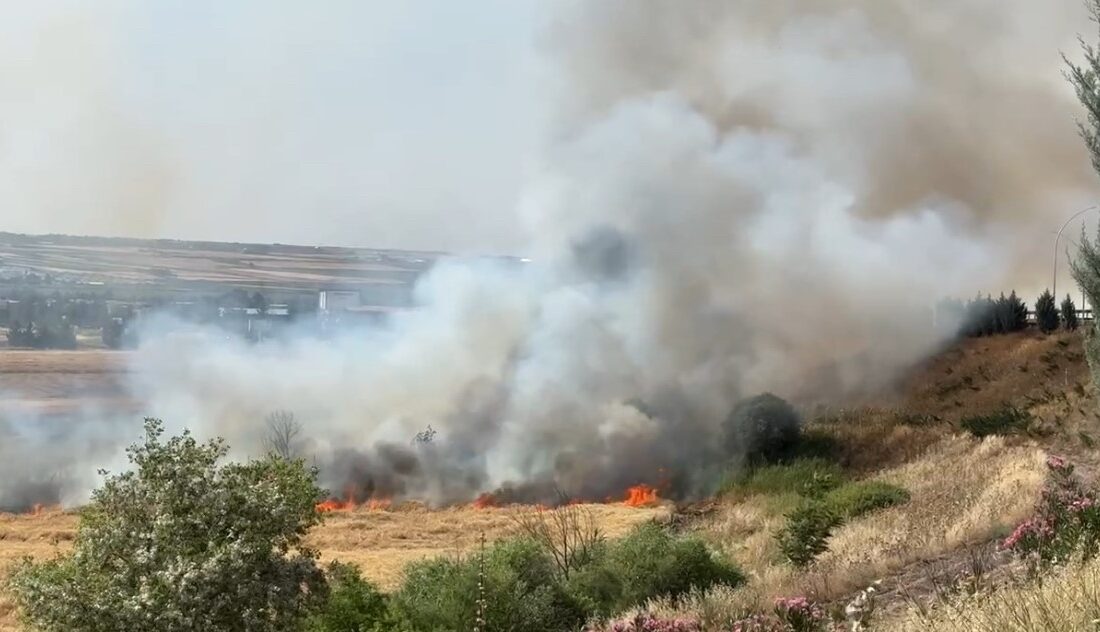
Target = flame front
(641,496)
(485,501)
(349,503)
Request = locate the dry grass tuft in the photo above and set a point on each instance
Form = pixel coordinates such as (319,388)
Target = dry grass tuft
(1068,600)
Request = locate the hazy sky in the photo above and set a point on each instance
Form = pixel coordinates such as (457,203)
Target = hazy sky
(353,122)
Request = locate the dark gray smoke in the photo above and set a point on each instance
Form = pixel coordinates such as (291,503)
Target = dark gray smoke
(734,198)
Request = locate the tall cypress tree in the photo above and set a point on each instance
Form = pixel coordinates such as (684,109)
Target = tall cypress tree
(1046,314)
(1069,314)
(1017,319)
(1085,79)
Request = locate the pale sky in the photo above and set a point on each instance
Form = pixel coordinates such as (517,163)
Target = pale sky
(347,122)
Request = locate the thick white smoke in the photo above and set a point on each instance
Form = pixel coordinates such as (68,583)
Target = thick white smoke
(735,197)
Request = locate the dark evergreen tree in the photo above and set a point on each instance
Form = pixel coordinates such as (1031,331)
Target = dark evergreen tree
(1069,314)
(1046,314)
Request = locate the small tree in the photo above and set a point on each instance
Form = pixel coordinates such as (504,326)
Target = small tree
(1069,314)
(181,544)
(569,534)
(1046,314)
(282,434)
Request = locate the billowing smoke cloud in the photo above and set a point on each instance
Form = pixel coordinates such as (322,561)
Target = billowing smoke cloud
(733,197)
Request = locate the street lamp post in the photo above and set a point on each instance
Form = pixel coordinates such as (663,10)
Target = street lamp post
(1054,281)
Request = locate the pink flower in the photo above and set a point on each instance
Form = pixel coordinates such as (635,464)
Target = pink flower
(1057,463)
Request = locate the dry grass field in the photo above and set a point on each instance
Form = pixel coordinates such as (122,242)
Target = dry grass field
(61,382)
(381,542)
(965,492)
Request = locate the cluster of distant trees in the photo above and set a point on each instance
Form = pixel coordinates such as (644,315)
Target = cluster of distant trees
(47,320)
(43,336)
(988,316)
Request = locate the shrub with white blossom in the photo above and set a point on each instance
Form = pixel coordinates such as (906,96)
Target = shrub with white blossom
(183,543)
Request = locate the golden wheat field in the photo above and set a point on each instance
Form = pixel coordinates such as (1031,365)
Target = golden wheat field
(380,542)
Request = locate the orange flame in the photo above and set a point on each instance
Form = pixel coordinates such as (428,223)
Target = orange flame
(485,501)
(641,496)
(348,503)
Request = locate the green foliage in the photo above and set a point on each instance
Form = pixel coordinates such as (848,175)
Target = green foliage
(648,563)
(352,605)
(1006,421)
(1046,314)
(1011,314)
(180,543)
(821,500)
(1086,83)
(807,477)
(761,429)
(981,318)
(987,317)
(1069,314)
(855,499)
(520,588)
(42,336)
(807,532)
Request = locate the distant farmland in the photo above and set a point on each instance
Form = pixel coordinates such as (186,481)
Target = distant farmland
(136,267)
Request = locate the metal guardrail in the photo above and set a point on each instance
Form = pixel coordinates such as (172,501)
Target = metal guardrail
(1082,315)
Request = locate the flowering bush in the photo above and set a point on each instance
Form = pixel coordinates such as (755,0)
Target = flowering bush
(794,614)
(1066,520)
(182,543)
(800,614)
(650,623)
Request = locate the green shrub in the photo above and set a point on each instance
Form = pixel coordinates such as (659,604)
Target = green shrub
(180,543)
(352,605)
(852,500)
(806,534)
(648,563)
(761,429)
(1006,421)
(518,583)
(1046,313)
(807,477)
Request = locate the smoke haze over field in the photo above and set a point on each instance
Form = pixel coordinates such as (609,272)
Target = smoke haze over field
(726,198)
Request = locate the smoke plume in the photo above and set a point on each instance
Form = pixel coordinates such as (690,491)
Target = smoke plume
(730,198)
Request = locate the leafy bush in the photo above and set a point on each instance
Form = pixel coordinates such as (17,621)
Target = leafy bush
(852,500)
(517,582)
(1066,520)
(1006,421)
(180,544)
(1069,314)
(1046,313)
(352,605)
(806,534)
(807,477)
(761,429)
(648,563)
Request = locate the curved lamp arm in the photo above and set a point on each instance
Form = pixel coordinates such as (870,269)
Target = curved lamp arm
(1054,281)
